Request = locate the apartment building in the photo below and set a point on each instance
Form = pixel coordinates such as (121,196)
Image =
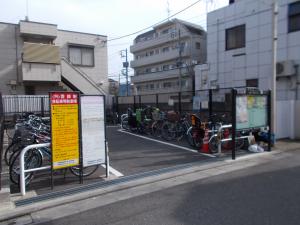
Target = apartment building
(239,53)
(164,57)
(36,58)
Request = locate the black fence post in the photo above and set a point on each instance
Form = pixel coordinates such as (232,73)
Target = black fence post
(179,102)
(140,101)
(42,107)
(269,120)
(233,114)
(134,103)
(210,104)
(156,100)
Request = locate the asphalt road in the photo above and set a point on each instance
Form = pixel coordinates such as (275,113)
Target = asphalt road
(131,154)
(268,194)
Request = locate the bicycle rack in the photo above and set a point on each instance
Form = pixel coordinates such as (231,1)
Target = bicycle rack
(227,139)
(22,167)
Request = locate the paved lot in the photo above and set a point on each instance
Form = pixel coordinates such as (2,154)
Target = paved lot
(132,153)
(129,154)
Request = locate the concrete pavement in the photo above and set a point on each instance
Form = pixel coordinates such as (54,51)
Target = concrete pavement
(69,205)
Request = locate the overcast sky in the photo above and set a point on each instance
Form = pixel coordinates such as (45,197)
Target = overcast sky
(113,18)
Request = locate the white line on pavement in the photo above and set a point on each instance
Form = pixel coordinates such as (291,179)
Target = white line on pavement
(113,171)
(166,143)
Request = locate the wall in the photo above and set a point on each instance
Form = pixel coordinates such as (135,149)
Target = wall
(99,72)
(232,67)
(297,120)
(9,48)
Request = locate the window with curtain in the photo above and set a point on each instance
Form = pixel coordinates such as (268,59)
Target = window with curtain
(235,37)
(82,56)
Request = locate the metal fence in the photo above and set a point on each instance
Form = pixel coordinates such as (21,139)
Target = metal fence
(205,102)
(1,136)
(20,104)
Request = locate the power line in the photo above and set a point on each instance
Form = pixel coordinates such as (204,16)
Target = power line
(164,20)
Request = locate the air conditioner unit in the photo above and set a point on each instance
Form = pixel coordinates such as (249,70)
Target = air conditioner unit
(285,68)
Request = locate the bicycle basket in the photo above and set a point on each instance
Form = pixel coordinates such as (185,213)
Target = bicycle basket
(173,116)
(195,121)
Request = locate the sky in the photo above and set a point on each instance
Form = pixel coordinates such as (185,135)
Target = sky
(113,18)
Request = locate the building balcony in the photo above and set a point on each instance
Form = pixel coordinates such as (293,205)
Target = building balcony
(41,72)
(159,58)
(40,62)
(162,75)
(34,29)
(156,41)
(40,53)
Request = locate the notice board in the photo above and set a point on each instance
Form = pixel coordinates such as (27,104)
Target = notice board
(251,111)
(64,129)
(93,130)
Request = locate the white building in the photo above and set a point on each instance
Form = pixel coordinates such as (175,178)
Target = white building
(36,58)
(239,53)
(164,57)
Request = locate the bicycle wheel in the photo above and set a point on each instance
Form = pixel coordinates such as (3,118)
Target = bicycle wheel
(189,137)
(213,144)
(87,171)
(168,131)
(124,123)
(32,159)
(8,152)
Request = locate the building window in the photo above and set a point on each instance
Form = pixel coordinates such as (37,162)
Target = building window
(151,86)
(198,45)
(294,16)
(167,84)
(235,37)
(81,56)
(165,49)
(165,67)
(29,90)
(252,83)
(165,31)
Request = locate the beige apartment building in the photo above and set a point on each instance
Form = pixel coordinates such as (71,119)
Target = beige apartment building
(164,57)
(36,58)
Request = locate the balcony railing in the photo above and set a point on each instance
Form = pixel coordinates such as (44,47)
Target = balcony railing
(155,41)
(162,57)
(167,74)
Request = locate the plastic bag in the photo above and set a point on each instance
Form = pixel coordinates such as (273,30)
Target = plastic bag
(255,148)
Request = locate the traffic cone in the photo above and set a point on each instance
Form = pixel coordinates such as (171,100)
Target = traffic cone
(205,145)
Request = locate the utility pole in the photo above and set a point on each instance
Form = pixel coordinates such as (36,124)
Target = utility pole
(126,65)
(274,61)
(180,60)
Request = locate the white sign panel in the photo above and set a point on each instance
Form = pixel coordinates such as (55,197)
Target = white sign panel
(93,130)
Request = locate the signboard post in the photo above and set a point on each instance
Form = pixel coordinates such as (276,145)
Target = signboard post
(65,136)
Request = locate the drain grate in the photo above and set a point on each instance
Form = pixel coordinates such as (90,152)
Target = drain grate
(103,184)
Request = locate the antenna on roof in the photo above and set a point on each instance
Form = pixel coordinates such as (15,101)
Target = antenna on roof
(168,9)
(26,17)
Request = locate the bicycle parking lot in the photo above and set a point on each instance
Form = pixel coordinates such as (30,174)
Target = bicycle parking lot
(138,149)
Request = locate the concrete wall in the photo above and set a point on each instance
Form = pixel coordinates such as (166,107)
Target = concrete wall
(232,67)
(297,120)
(9,49)
(99,72)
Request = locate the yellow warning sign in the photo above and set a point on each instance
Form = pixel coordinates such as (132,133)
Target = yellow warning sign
(64,129)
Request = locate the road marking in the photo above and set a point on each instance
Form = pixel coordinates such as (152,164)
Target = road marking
(113,171)
(109,126)
(167,143)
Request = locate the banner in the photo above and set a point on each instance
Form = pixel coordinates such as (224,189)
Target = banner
(93,130)
(64,129)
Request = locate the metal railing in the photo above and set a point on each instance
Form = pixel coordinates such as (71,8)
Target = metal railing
(22,165)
